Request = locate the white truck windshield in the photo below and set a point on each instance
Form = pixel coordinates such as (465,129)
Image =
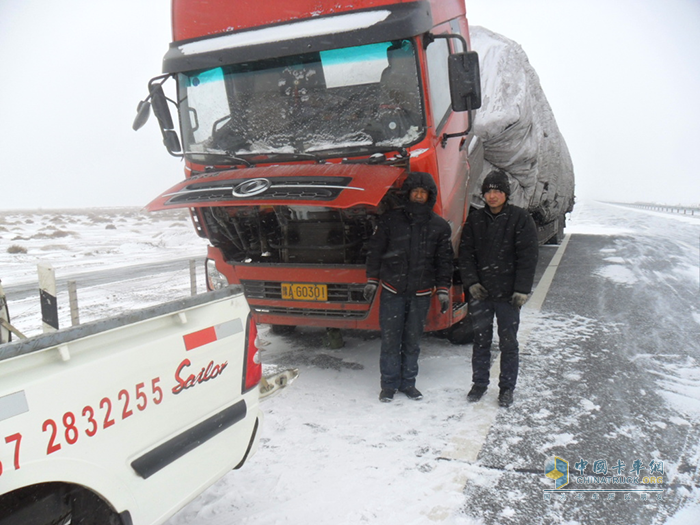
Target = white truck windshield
(326,102)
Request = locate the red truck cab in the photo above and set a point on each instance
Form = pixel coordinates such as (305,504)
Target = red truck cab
(298,124)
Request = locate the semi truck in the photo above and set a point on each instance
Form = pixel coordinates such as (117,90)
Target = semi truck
(124,420)
(298,123)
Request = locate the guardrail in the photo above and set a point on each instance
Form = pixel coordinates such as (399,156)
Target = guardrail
(49,303)
(681,210)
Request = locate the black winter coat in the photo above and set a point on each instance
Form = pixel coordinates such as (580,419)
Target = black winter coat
(499,251)
(411,250)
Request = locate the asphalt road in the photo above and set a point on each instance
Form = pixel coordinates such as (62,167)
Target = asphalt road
(606,375)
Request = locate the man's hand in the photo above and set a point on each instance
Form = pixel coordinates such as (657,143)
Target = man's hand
(478,292)
(518,299)
(444,301)
(369,291)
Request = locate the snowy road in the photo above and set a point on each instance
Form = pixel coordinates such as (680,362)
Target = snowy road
(609,375)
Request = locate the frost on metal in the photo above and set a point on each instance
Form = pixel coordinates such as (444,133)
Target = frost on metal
(519,131)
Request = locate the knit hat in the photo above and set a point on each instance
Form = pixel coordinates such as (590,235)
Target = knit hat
(496,180)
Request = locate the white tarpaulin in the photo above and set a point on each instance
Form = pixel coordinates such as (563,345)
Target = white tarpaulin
(518,129)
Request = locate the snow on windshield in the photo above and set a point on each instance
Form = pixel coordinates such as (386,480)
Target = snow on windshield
(332,100)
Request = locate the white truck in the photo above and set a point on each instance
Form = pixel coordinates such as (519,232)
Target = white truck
(125,420)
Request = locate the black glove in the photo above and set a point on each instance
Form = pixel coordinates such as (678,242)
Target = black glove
(369,291)
(478,292)
(444,299)
(518,299)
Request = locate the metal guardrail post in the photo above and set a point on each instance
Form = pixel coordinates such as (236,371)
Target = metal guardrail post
(73,302)
(193,277)
(47,295)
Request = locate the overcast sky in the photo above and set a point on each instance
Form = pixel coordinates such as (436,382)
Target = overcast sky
(622,76)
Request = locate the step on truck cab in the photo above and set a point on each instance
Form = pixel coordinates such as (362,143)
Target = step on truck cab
(298,122)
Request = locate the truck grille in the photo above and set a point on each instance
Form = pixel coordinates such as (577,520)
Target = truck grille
(337,293)
(278,188)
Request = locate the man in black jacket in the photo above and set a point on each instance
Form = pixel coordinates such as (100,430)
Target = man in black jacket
(497,258)
(410,254)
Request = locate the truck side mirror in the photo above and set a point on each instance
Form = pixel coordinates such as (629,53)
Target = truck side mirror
(143,111)
(162,113)
(160,107)
(465,81)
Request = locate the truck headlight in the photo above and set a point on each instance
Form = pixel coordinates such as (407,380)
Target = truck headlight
(215,279)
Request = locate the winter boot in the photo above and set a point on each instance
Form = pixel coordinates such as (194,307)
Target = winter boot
(412,393)
(386,395)
(476,393)
(505,397)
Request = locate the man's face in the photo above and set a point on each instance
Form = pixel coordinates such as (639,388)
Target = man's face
(419,195)
(495,198)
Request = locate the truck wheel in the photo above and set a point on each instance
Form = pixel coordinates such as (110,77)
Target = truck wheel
(461,333)
(282,329)
(558,237)
(55,504)
(89,509)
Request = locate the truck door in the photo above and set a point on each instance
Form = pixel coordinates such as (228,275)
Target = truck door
(451,155)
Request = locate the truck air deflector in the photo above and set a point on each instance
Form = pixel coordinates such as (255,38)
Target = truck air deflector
(329,185)
(173,449)
(309,35)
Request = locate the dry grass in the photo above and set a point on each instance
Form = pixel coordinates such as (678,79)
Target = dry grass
(54,247)
(56,234)
(16,248)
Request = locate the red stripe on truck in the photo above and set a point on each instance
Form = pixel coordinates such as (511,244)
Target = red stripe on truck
(211,334)
(200,338)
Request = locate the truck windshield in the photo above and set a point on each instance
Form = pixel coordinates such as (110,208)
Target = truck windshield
(332,102)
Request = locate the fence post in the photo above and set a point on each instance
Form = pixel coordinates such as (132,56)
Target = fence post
(73,302)
(47,296)
(193,277)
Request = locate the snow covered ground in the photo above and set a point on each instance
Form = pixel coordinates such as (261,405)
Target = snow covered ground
(82,242)
(332,454)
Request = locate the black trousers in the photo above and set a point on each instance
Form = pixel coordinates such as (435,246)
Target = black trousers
(508,320)
(401,319)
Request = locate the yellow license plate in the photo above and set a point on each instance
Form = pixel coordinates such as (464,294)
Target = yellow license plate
(305,292)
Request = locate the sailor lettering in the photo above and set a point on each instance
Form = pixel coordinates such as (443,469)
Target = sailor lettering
(211,371)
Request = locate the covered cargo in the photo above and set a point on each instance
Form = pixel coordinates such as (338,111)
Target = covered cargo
(519,131)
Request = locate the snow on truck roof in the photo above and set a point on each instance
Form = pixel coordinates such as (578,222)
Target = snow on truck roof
(302,29)
(219,34)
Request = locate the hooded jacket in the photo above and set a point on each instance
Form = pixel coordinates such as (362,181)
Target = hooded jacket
(410,252)
(499,251)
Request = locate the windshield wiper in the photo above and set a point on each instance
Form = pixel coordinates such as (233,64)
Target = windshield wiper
(381,158)
(227,158)
(282,157)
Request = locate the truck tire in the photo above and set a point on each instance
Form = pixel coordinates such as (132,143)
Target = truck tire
(461,333)
(558,236)
(55,504)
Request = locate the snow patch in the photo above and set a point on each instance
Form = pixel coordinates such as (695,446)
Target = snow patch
(589,405)
(559,441)
(618,274)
